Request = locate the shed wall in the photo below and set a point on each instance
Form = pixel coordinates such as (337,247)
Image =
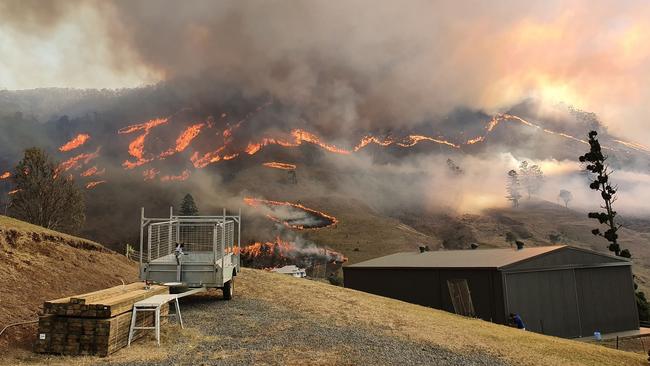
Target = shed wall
(606,300)
(428,287)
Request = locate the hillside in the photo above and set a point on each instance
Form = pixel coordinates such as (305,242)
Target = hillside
(280,320)
(39,264)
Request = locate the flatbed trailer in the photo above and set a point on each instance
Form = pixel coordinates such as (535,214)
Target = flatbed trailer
(191,251)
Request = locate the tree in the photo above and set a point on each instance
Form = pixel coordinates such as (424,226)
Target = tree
(188,206)
(597,166)
(565,196)
(532,178)
(44,196)
(513,187)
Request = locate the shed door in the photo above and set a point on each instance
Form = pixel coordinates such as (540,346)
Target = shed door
(606,299)
(546,301)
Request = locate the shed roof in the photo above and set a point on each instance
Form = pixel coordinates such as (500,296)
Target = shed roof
(480,258)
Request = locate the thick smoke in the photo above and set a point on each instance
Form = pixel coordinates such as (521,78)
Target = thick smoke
(357,64)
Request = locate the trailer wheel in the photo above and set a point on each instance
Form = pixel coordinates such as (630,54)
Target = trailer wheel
(228,289)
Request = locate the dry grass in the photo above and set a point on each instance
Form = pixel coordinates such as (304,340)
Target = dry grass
(396,318)
(345,307)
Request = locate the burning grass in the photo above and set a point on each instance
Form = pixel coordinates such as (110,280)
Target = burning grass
(293,215)
(278,253)
(76,142)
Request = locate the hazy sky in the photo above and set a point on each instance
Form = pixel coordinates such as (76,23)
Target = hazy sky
(408,59)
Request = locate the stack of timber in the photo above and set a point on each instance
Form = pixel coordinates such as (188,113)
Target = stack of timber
(96,323)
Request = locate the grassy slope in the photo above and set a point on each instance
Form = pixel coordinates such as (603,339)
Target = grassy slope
(345,307)
(38,264)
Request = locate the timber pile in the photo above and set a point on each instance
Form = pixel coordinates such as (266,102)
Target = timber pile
(96,323)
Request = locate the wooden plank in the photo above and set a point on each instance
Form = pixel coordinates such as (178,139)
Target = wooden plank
(86,336)
(104,293)
(100,306)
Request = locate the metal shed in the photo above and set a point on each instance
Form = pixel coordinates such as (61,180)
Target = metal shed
(558,290)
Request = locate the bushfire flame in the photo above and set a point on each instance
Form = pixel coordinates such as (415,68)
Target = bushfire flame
(78,161)
(93,171)
(278,165)
(77,141)
(136,147)
(289,250)
(94,184)
(183,176)
(257,202)
(5,175)
(14,191)
(184,140)
(150,174)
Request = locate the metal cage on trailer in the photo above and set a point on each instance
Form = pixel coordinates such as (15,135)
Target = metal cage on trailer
(191,251)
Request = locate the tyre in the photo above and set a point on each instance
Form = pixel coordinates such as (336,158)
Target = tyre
(228,289)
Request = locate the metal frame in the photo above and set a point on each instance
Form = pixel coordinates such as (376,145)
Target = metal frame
(160,263)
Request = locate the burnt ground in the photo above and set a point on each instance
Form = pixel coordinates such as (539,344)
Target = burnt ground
(247,331)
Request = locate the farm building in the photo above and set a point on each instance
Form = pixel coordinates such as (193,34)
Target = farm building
(557,290)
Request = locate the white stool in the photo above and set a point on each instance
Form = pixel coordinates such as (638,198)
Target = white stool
(154,303)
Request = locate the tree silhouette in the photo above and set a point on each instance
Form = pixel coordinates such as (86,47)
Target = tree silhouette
(513,187)
(597,166)
(532,178)
(188,206)
(565,196)
(45,196)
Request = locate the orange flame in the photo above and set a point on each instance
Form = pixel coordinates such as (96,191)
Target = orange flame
(475,140)
(372,139)
(183,176)
(184,140)
(93,171)
(14,191)
(136,147)
(256,202)
(92,185)
(77,161)
(79,140)
(278,165)
(287,249)
(5,175)
(150,174)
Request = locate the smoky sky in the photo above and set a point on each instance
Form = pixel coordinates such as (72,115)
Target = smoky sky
(348,65)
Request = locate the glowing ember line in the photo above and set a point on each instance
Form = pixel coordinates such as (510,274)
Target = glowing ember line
(256,202)
(5,175)
(93,171)
(475,140)
(634,145)
(278,165)
(412,140)
(92,185)
(77,141)
(150,174)
(372,139)
(183,176)
(14,191)
(77,161)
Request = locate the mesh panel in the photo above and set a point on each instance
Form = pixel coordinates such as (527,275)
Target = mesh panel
(162,239)
(195,237)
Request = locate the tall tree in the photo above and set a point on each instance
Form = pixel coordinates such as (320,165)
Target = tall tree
(532,178)
(188,206)
(597,166)
(513,187)
(45,197)
(599,171)
(565,196)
